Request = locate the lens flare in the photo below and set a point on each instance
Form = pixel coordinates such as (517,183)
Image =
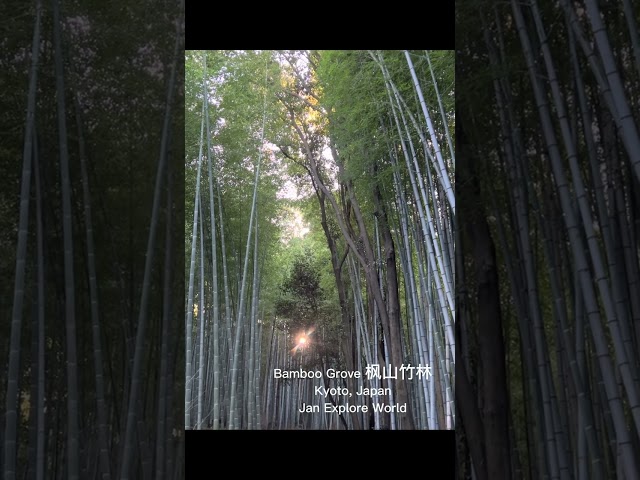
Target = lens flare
(303,340)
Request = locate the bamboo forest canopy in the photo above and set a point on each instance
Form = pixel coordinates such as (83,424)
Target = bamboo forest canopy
(319,237)
(549,268)
(91,188)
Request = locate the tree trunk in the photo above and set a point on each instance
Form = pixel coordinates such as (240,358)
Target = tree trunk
(490,336)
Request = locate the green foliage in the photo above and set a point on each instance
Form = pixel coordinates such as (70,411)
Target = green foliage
(304,302)
(236,82)
(301,293)
(355,97)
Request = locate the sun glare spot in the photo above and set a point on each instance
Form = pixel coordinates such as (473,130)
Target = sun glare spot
(303,341)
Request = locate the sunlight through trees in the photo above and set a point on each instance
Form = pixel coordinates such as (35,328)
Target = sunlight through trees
(334,235)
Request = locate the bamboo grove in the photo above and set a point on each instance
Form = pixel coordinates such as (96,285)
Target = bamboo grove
(548,271)
(90,165)
(319,238)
